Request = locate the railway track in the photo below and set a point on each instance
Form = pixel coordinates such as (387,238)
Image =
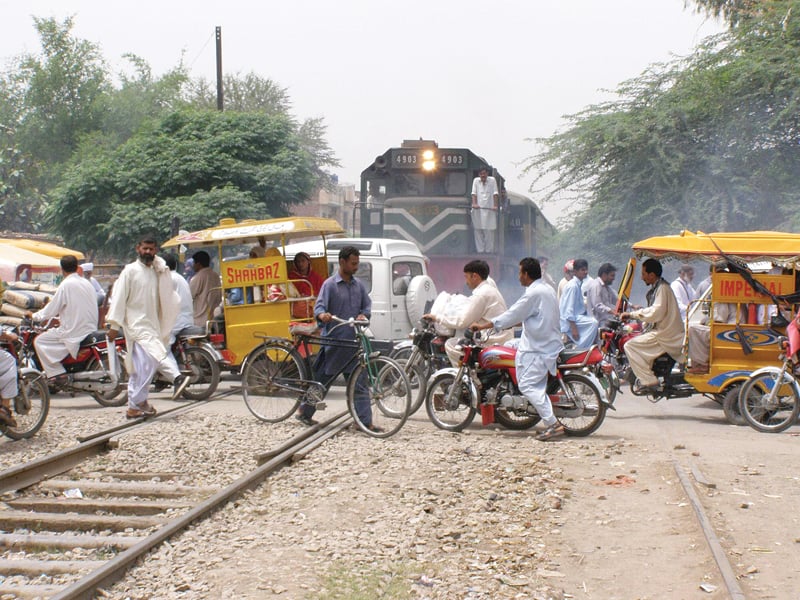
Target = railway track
(73,536)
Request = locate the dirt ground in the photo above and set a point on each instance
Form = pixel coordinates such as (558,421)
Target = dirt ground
(629,531)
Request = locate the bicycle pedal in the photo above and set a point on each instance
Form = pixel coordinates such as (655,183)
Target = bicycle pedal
(320,406)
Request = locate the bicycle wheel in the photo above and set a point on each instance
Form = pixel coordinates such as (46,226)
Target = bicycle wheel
(580,411)
(273,382)
(768,402)
(417,377)
(30,407)
(203,372)
(448,403)
(389,396)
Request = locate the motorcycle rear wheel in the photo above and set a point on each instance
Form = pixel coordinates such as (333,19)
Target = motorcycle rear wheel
(30,407)
(453,414)
(765,411)
(119,395)
(203,372)
(582,412)
(730,406)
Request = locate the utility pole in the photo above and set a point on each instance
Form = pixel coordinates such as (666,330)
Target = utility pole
(219,69)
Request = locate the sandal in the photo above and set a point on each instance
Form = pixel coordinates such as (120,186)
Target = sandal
(554,431)
(6,417)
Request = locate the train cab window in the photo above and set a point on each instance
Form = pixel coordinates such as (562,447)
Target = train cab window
(456,184)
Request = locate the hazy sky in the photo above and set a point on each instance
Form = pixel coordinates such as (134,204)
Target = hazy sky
(483,75)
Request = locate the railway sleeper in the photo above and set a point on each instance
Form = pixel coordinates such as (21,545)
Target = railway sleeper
(92,506)
(35,568)
(158,490)
(11,520)
(38,542)
(29,591)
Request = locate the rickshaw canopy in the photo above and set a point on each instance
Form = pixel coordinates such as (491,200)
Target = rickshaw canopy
(749,246)
(249,231)
(40,247)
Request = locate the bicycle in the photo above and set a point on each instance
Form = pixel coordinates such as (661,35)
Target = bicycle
(32,403)
(278,376)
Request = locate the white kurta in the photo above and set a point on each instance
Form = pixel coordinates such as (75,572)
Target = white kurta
(684,294)
(8,376)
(485,303)
(75,306)
(145,305)
(540,344)
(665,334)
(186,310)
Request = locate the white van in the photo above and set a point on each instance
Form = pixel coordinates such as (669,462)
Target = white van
(396,278)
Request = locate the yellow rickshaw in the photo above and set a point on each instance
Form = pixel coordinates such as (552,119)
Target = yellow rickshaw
(753,276)
(257,292)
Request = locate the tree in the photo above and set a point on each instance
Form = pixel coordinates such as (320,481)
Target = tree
(198,165)
(708,142)
(65,92)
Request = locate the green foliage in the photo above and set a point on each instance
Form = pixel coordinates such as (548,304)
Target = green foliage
(709,142)
(196,165)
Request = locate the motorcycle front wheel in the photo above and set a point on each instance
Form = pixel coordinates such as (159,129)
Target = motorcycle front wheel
(578,406)
(768,403)
(448,403)
(30,407)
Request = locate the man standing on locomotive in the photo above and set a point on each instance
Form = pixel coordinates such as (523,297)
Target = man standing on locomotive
(664,333)
(540,344)
(485,202)
(343,296)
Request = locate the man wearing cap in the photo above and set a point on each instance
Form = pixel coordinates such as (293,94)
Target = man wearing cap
(87,269)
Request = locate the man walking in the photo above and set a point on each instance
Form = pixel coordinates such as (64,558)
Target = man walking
(343,296)
(145,305)
(537,353)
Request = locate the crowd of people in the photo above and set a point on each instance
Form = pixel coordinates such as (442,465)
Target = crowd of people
(152,303)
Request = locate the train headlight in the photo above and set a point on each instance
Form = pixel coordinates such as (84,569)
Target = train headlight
(428,160)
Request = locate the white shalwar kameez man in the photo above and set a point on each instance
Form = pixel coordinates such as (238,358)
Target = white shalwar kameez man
(539,346)
(485,302)
(75,306)
(485,201)
(145,305)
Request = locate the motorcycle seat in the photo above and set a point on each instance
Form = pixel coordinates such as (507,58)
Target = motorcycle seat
(568,353)
(94,338)
(193,331)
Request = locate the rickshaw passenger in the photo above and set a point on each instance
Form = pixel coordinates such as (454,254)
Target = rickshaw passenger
(665,331)
(700,336)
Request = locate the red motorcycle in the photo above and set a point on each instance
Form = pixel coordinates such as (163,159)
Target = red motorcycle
(93,369)
(486,381)
(613,338)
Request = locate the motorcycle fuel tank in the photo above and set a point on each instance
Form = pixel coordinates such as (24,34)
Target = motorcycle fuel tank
(497,357)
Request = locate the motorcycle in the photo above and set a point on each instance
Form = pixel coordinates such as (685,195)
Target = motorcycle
(92,370)
(32,403)
(673,384)
(486,381)
(420,356)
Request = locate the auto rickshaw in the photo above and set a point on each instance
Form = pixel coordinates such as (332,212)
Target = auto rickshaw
(754,274)
(261,285)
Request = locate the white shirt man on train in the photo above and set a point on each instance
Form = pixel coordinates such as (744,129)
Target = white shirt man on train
(485,201)
(484,304)
(75,306)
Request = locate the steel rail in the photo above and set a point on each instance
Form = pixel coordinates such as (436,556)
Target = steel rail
(32,472)
(116,568)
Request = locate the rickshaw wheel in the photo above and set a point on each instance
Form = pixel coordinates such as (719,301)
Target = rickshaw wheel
(730,404)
